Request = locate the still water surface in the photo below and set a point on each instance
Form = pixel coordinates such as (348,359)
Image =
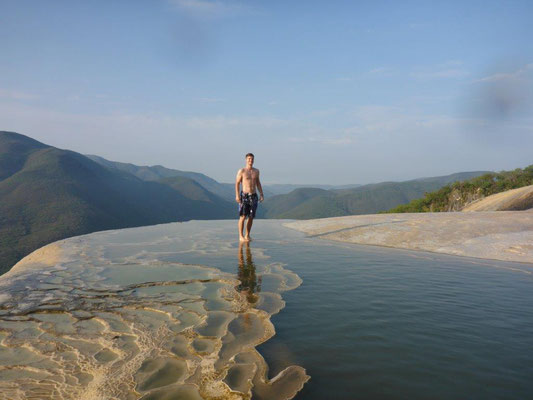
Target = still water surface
(374,323)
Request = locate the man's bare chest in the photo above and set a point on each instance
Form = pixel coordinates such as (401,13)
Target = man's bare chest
(249,175)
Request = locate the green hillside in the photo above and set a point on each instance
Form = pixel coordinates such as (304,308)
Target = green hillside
(367,199)
(214,207)
(158,172)
(47,194)
(453,197)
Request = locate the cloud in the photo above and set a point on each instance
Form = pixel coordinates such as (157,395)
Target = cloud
(212,8)
(522,74)
(449,70)
(17,95)
(387,126)
(440,74)
(212,100)
(332,141)
(395,125)
(381,71)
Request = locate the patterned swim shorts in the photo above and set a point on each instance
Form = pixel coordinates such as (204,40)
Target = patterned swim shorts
(248,204)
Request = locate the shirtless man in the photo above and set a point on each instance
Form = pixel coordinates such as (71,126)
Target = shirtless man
(247,197)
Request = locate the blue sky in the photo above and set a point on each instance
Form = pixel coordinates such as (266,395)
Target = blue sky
(322,92)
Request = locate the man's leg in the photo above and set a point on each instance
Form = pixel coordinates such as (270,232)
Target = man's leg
(241,227)
(249,228)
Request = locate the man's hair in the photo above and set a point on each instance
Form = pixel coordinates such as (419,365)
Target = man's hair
(249,155)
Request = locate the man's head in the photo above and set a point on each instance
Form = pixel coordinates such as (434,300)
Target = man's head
(249,159)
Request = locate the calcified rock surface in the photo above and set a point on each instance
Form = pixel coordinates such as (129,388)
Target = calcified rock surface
(116,315)
(515,199)
(499,235)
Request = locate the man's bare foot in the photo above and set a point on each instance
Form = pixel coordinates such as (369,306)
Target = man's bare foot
(247,239)
(242,239)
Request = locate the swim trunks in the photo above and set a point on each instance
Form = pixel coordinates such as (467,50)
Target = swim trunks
(248,204)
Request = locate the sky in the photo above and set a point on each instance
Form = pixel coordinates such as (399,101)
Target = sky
(322,92)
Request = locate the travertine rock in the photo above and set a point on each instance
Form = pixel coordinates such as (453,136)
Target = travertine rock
(499,235)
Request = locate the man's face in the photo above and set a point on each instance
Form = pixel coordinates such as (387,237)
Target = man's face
(249,161)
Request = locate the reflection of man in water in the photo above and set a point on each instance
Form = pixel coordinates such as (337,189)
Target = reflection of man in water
(249,282)
(247,197)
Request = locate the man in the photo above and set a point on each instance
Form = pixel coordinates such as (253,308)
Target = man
(247,197)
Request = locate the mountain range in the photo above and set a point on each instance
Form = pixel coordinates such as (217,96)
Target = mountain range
(307,203)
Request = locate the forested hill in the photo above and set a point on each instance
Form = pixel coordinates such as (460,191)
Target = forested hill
(47,194)
(308,203)
(455,196)
(158,172)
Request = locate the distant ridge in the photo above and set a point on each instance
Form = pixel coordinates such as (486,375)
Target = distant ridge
(158,172)
(308,203)
(224,190)
(47,194)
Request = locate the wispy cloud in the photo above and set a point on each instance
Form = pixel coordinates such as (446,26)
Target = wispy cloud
(212,8)
(452,69)
(442,74)
(384,127)
(331,141)
(523,73)
(395,124)
(212,100)
(17,95)
(380,70)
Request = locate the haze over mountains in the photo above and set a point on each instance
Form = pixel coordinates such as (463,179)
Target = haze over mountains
(224,190)
(47,194)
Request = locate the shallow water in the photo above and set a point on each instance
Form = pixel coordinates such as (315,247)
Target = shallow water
(377,323)
(176,311)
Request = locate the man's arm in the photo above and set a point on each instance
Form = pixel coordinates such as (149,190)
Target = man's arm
(238,181)
(261,198)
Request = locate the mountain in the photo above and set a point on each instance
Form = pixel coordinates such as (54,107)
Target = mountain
(215,206)
(47,194)
(459,195)
(158,172)
(277,188)
(308,203)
